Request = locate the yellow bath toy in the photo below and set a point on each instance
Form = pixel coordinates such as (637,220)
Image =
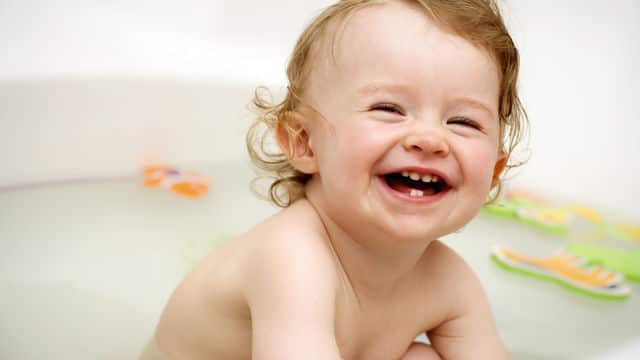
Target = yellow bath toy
(567,270)
(577,222)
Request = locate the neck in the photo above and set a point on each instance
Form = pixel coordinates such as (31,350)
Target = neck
(374,264)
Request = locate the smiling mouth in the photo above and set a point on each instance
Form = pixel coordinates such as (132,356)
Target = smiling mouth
(416,185)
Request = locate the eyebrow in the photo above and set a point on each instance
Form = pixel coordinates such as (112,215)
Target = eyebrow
(474,103)
(373,88)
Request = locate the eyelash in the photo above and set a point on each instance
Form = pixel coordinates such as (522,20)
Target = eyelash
(394,109)
(466,122)
(390,108)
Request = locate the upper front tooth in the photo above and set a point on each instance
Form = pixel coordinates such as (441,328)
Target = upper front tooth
(427,178)
(405,173)
(414,176)
(434,178)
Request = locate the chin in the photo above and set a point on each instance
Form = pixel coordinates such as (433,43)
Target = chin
(418,230)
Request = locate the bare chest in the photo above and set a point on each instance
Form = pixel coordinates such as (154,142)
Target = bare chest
(383,331)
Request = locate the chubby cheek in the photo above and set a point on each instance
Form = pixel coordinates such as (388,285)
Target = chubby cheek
(350,157)
(479,168)
(363,142)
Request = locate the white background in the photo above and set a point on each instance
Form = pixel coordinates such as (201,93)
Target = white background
(96,88)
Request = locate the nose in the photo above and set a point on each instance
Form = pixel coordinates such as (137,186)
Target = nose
(430,141)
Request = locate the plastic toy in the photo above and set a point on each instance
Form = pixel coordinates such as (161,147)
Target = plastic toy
(575,222)
(182,183)
(624,261)
(567,270)
(532,211)
(623,231)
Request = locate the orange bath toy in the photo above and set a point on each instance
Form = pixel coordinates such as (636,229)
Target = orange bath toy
(180,182)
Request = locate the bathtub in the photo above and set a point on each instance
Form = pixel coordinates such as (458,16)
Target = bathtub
(88,266)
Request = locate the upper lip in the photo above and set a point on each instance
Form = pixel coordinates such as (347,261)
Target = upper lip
(422,171)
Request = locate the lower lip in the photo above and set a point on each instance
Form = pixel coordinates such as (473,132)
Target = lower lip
(411,199)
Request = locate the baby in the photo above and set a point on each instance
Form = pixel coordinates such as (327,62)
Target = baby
(399,118)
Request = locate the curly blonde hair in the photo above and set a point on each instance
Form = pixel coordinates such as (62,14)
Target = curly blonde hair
(478,21)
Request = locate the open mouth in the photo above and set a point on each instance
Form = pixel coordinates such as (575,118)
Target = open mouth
(416,185)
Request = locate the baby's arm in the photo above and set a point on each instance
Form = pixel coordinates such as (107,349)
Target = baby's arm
(419,351)
(291,293)
(469,331)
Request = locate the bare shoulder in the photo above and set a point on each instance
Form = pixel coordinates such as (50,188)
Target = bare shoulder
(442,271)
(452,270)
(277,275)
(467,328)
(290,284)
(290,245)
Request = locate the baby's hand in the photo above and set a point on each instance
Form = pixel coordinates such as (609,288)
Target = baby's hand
(420,351)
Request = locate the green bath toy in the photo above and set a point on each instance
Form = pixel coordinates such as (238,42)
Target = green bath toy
(566,270)
(624,261)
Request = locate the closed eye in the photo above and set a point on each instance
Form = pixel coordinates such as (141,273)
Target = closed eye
(466,122)
(386,107)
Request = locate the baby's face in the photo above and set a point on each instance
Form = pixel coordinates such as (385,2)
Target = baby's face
(411,136)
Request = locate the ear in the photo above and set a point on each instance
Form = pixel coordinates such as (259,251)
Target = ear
(501,163)
(292,135)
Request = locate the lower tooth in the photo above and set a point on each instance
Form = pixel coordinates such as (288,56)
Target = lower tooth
(416,193)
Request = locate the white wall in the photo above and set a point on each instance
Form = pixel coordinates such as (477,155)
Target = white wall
(94,88)
(581,85)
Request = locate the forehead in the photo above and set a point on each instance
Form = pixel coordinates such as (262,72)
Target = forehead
(398,42)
